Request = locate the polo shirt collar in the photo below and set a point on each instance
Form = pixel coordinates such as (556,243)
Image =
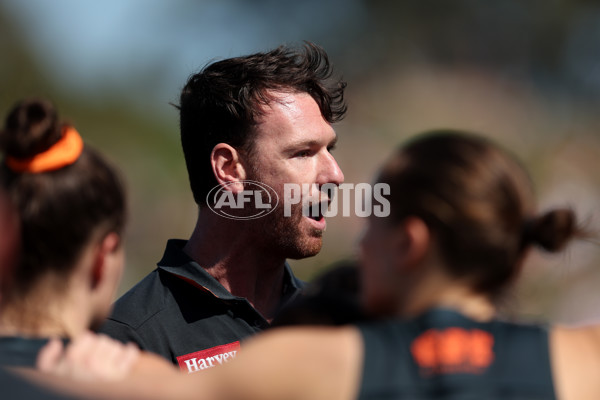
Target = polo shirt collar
(176,262)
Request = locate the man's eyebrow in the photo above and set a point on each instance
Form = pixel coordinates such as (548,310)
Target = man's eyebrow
(302,143)
(309,143)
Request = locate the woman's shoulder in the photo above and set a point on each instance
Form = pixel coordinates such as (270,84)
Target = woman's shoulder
(575,355)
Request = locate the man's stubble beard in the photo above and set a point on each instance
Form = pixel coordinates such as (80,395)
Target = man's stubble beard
(286,235)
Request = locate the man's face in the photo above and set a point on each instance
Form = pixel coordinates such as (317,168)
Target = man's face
(292,144)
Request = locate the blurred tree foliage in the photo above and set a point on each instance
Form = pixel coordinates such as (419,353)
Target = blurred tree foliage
(552,43)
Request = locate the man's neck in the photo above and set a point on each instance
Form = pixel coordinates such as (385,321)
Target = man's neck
(234,259)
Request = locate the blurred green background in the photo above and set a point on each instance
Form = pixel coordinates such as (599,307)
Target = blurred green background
(524,72)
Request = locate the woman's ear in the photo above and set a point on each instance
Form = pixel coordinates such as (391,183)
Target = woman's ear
(227,166)
(413,240)
(106,257)
(106,273)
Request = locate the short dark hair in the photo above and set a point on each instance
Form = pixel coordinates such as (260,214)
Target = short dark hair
(220,104)
(60,210)
(479,203)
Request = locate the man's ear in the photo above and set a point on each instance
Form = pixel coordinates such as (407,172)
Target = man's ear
(105,251)
(227,166)
(413,242)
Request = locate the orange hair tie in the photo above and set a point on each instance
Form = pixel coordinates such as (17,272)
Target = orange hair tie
(62,153)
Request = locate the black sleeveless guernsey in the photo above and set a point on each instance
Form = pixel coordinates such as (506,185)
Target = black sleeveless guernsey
(444,355)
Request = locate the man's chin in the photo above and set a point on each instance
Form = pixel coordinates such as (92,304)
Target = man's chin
(306,250)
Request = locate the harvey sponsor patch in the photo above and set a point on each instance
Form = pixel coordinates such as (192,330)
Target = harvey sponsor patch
(203,359)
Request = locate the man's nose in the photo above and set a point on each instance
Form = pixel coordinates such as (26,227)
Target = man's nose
(330,171)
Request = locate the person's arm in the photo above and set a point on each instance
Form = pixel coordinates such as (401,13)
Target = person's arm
(307,363)
(293,363)
(575,358)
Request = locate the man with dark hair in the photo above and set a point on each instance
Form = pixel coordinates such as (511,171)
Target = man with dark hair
(261,121)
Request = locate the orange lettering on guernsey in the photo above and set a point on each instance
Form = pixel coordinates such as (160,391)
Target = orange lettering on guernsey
(203,359)
(453,350)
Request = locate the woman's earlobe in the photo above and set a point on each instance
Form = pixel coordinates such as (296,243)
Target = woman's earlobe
(110,244)
(414,241)
(421,237)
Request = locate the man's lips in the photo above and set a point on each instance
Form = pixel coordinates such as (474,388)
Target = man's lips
(319,223)
(314,213)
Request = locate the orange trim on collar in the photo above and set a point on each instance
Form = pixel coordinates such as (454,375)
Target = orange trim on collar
(62,153)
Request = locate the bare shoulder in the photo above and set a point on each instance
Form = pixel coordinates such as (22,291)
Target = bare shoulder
(301,339)
(575,355)
(299,362)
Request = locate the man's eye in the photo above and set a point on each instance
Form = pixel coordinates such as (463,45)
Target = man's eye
(303,153)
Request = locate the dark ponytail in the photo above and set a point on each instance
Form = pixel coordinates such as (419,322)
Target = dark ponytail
(551,230)
(60,210)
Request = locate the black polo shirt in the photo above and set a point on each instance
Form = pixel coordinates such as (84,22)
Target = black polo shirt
(182,313)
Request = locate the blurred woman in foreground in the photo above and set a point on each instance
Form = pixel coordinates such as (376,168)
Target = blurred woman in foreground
(69,204)
(462,221)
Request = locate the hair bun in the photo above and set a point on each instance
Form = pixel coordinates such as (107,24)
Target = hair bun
(551,230)
(30,128)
